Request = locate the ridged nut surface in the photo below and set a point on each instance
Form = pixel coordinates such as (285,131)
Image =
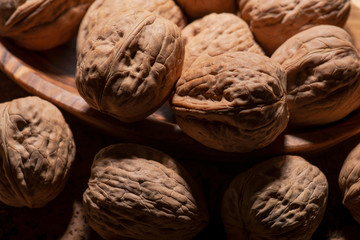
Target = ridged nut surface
(216,34)
(232,102)
(41,24)
(273,22)
(137,192)
(129,64)
(349,182)
(323,75)
(102,8)
(37,151)
(282,198)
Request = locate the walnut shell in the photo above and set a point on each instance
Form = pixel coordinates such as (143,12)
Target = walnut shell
(216,34)
(273,22)
(37,151)
(282,198)
(129,64)
(323,75)
(349,177)
(41,24)
(232,102)
(137,192)
(102,8)
(199,8)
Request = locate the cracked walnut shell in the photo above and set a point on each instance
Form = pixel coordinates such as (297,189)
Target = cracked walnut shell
(232,102)
(349,182)
(273,22)
(323,75)
(129,64)
(37,151)
(282,198)
(216,34)
(41,24)
(137,192)
(102,8)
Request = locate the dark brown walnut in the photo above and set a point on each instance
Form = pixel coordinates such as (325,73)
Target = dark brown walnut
(273,22)
(282,198)
(102,8)
(232,102)
(129,64)
(41,24)
(216,34)
(199,8)
(349,184)
(37,152)
(137,192)
(323,75)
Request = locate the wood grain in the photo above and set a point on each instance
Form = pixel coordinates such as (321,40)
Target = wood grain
(50,75)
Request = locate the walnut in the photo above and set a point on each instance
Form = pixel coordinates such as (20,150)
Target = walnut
(323,77)
(137,192)
(37,151)
(282,198)
(349,177)
(273,22)
(41,24)
(199,8)
(102,8)
(216,34)
(232,102)
(129,64)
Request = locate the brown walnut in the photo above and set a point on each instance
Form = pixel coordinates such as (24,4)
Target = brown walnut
(137,192)
(41,24)
(102,8)
(37,151)
(216,34)
(232,102)
(129,64)
(273,22)
(199,8)
(349,184)
(281,198)
(323,75)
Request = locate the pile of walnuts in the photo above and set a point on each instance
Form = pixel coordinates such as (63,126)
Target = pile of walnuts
(236,74)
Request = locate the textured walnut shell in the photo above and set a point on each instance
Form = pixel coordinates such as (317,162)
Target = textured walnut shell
(323,75)
(273,22)
(41,24)
(349,182)
(129,64)
(199,8)
(102,8)
(137,192)
(281,198)
(37,151)
(216,34)
(232,102)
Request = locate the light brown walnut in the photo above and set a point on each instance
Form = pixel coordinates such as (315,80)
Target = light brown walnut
(323,75)
(129,64)
(349,184)
(273,22)
(199,8)
(102,8)
(216,34)
(279,199)
(37,151)
(41,24)
(232,102)
(137,192)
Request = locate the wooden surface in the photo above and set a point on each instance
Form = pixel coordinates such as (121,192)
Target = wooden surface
(50,75)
